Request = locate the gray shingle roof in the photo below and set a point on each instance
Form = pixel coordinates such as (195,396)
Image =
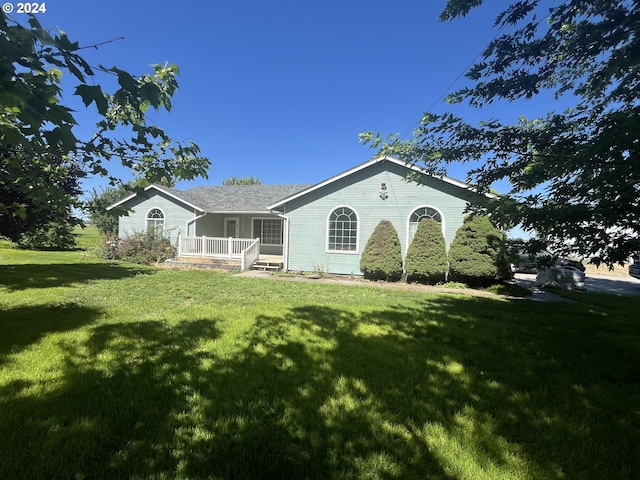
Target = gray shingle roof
(236,198)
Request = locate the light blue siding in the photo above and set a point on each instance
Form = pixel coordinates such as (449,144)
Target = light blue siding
(210,225)
(308,215)
(176,214)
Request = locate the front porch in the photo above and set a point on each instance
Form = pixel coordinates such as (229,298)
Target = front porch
(225,253)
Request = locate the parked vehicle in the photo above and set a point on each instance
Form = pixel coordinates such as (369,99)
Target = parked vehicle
(567,262)
(634,268)
(556,276)
(535,263)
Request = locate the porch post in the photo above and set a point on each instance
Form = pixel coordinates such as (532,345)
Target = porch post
(179,245)
(230,249)
(204,246)
(285,243)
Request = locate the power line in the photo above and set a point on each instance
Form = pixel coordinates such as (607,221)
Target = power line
(463,72)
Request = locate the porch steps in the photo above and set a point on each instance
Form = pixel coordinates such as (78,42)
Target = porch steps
(199,262)
(267,265)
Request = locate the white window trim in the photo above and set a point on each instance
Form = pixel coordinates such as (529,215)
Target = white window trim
(411,214)
(328,229)
(164,219)
(254,235)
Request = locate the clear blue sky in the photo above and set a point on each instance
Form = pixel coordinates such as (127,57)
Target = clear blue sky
(280,89)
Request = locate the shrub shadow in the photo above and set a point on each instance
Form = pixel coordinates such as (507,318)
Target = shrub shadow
(24,325)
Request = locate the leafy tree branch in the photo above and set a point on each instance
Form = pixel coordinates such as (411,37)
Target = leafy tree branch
(37,128)
(574,175)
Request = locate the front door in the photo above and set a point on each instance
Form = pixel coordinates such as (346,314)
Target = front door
(231,227)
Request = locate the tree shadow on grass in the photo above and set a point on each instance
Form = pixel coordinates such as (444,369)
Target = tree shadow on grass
(431,391)
(24,325)
(440,389)
(116,410)
(27,276)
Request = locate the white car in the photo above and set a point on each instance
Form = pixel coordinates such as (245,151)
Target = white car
(568,278)
(531,263)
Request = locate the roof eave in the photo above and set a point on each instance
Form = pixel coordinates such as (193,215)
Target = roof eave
(160,189)
(364,165)
(239,212)
(120,202)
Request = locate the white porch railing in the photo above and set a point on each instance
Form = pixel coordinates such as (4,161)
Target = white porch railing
(250,254)
(246,250)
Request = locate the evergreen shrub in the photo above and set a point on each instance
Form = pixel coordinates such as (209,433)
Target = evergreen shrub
(426,260)
(382,255)
(477,255)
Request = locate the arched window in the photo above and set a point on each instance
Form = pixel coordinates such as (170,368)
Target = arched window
(419,214)
(343,230)
(155,219)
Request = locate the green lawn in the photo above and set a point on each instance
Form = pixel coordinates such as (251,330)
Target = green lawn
(121,371)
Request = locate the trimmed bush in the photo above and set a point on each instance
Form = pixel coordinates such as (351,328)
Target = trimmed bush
(382,256)
(426,260)
(477,255)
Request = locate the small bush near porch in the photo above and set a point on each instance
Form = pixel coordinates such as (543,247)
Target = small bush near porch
(145,248)
(121,371)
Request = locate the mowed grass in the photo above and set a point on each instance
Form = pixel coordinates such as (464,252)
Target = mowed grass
(122,371)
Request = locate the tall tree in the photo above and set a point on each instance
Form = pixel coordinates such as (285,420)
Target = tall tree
(37,129)
(58,178)
(50,225)
(107,220)
(242,181)
(574,175)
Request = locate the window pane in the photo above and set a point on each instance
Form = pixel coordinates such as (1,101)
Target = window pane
(271,231)
(268,230)
(155,220)
(425,212)
(343,230)
(419,214)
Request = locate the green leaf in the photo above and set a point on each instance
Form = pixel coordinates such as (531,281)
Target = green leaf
(152,93)
(60,115)
(93,93)
(20,211)
(75,71)
(126,80)
(63,42)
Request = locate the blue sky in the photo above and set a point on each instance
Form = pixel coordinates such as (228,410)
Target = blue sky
(281,89)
